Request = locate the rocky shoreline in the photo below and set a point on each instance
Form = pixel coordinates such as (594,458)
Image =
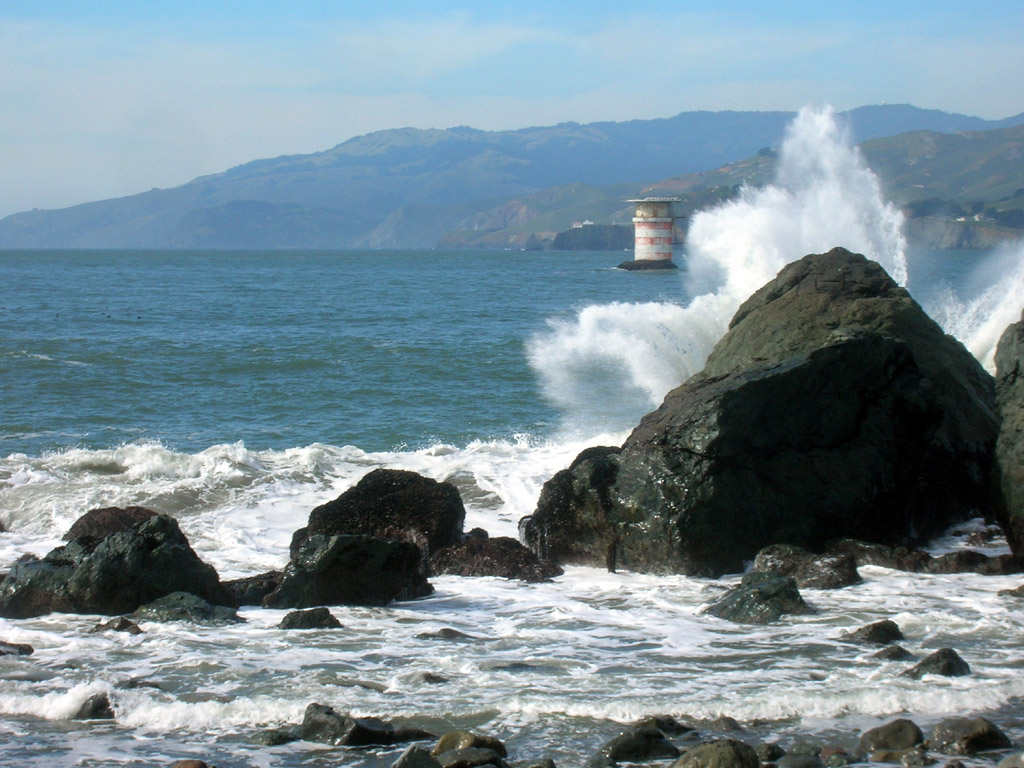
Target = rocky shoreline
(835,426)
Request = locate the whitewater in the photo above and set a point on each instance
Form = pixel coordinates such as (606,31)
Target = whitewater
(237,392)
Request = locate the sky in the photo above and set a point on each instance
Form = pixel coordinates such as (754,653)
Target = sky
(101,100)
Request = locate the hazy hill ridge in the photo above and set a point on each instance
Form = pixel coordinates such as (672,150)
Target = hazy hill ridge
(408,187)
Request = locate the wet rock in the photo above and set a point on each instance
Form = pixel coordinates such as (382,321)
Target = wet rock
(431,679)
(349,570)
(471,757)
(895,735)
(896,558)
(454,740)
(894,653)
(118,624)
(945,662)
(832,408)
(313,618)
(967,736)
(96,524)
(546,762)
(323,724)
(250,590)
(499,556)
(191,764)
(667,724)
(1009,471)
(637,745)
(1017,592)
(721,753)
(760,598)
(799,761)
(769,752)
(810,571)
(910,757)
(134,683)
(878,633)
(723,724)
(183,606)
(836,757)
(110,575)
(395,505)
(16,649)
(275,737)
(416,756)
(96,707)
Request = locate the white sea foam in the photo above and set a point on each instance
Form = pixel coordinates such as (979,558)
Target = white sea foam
(998,298)
(610,364)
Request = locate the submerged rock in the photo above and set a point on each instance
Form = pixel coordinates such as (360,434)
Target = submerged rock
(16,649)
(468,740)
(760,598)
(96,707)
(110,569)
(833,408)
(118,624)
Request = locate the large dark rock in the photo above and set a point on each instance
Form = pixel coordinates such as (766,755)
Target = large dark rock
(833,408)
(760,598)
(349,570)
(396,505)
(112,574)
(1010,445)
(877,633)
(492,556)
(312,618)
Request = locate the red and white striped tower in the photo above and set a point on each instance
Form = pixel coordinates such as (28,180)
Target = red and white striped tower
(654,228)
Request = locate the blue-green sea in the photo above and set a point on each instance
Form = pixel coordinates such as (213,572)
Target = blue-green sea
(237,391)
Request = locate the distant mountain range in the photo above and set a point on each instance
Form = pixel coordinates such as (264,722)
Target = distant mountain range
(417,188)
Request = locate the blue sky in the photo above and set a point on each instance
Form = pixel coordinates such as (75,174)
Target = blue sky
(105,99)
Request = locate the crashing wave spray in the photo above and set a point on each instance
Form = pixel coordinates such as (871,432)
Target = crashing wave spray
(980,321)
(612,363)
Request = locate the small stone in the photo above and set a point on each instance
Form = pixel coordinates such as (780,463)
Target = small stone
(879,633)
(118,624)
(894,653)
(721,753)
(896,735)
(313,618)
(416,756)
(16,649)
(445,633)
(190,764)
(455,740)
(471,757)
(96,707)
(769,752)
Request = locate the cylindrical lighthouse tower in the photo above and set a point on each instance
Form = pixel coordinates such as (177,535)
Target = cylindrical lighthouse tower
(654,231)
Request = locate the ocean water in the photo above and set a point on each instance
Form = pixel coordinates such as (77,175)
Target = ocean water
(238,390)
